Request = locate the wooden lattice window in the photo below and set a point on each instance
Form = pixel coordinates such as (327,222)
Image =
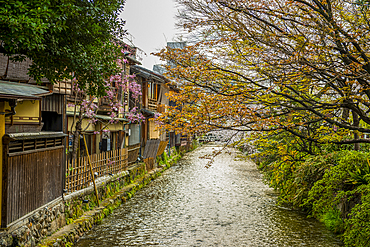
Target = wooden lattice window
(19,146)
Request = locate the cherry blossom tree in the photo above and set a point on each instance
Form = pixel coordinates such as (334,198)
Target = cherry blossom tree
(86,106)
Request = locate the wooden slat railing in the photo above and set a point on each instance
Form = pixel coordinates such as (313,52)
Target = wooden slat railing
(133,153)
(63,87)
(152,104)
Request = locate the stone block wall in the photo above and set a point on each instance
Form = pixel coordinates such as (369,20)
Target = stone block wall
(36,226)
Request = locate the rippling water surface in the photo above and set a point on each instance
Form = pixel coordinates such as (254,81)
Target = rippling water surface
(224,205)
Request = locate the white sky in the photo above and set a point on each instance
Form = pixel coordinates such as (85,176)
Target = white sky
(151,23)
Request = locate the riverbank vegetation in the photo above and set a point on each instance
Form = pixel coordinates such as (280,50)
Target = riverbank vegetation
(293,77)
(331,185)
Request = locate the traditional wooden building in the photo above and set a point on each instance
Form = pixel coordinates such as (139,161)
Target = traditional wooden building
(31,158)
(154,101)
(118,132)
(112,150)
(36,131)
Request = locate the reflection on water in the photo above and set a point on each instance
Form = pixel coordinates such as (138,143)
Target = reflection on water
(225,205)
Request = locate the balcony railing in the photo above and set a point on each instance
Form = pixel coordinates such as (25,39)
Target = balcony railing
(152,105)
(63,87)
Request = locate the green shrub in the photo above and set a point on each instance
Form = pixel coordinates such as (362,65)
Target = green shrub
(333,221)
(357,228)
(307,173)
(334,187)
(361,174)
(165,157)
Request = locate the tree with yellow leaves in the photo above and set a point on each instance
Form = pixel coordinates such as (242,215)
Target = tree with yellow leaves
(295,76)
(301,66)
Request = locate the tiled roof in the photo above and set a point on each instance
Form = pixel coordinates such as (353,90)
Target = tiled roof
(148,74)
(13,90)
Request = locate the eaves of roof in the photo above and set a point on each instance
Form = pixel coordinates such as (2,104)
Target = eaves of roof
(133,60)
(13,90)
(109,118)
(103,117)
(37,135)
(148,74)
(147,113)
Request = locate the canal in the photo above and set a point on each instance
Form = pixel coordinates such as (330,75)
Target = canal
(225,205)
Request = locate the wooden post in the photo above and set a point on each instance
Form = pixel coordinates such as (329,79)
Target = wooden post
(91,171)
(2,156)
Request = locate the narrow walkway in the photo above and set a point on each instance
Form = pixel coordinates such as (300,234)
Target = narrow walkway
(224,205)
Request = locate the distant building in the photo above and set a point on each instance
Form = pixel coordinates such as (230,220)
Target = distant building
(176,44)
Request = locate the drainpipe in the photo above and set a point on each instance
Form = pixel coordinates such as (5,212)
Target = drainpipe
(169,142)
(140,140)
(2,133)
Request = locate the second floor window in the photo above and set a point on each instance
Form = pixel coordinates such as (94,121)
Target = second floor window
(153,90)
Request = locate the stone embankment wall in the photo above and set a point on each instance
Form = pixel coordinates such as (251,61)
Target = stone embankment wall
(62,222)
(35,226)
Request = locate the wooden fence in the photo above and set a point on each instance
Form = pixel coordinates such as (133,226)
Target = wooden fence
(133,153)
(151,148)
(32,174)
(162,147)
(78,175)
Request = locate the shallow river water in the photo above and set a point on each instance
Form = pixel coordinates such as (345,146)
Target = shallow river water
(224,205)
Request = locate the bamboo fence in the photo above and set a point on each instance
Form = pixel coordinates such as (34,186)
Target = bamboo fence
(78,175)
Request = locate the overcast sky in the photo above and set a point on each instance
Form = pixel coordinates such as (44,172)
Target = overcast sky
(151,23)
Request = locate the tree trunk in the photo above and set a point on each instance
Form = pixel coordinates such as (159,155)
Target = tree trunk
(356,123)
(76,137)
(345,114)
